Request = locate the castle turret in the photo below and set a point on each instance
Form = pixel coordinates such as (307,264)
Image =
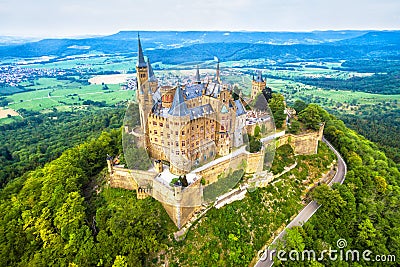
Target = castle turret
(181,117)
(258,84)
(141,67)
(217,77)
(144,93)
(197,79)
(153,82)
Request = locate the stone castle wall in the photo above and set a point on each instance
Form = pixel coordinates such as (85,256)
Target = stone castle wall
(250,162)
(302,144)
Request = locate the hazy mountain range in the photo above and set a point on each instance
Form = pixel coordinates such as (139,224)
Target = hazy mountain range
(178,47)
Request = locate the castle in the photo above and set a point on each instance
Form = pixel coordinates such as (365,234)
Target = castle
(194,130)
(187,125)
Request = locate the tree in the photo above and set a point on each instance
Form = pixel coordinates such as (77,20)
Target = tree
(277,106)
(294,240)
(381,184)
(299,106)
(311,117)
(267,92)
(257,131)
(367,233)
(120,261)
(294,126)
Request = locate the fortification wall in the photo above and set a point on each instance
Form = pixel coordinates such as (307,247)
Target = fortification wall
(128,179)
(250,162)
(303,144)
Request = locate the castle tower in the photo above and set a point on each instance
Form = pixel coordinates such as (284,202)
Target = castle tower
(197,78)
(152,80)
(180,115)
(141,69)
(146,85)
(257,85)
(217,76)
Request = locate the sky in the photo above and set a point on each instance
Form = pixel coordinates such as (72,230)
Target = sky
(59,18)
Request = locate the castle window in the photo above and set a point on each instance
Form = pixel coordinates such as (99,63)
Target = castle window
(162,133)
(212,136)
(156,139)
(169,143)
(183,143)
(177,152)
(154,123)
(192,128)
(168,136)
(183,152)
(161,124)
(177,143)
(155,131)
(197,143)
(202,128)
(183,132)
(162,141)
(150,131)
(167,125)
(176,132)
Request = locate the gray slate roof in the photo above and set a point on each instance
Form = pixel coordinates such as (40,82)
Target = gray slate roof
(193,90)
(152,77)
(179,107)
(240,109)
(200,111)
(141,63)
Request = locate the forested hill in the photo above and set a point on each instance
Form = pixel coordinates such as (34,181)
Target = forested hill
(363,211)
(63,214)
(40,138)
(194,46)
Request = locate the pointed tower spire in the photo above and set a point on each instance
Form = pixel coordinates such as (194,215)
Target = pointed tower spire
(218,78)
(197,80)
(150,70)
(141,63)
(178,107)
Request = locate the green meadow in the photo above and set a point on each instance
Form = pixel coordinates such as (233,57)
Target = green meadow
(56,94)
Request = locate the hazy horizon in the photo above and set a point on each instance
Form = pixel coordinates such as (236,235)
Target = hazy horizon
(45,18)
(89,35)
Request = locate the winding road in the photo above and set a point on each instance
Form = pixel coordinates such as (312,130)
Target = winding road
(308,211)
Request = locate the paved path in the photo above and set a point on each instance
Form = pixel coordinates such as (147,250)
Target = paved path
(308,211)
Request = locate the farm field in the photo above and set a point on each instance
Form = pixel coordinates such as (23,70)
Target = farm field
(63,95)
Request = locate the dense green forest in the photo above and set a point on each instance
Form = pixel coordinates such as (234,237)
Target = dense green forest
(380,126)
(61,215)
(65,214)
(387,84)
(40,138)
(363,211)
